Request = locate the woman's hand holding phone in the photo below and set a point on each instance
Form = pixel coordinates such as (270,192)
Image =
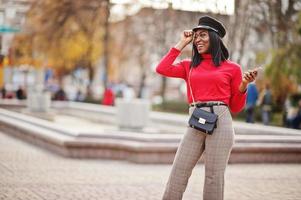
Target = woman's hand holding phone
(248,77)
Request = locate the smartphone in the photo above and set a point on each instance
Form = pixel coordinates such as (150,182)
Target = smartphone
(258,69)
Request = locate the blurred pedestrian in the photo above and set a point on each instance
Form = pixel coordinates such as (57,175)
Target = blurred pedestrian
(213,83)
(289,113)
(128,92)
(266,105)
(60,95)
(108,97)
(251,102)
(79,96)
(3,92)
(296,121)
(20,93)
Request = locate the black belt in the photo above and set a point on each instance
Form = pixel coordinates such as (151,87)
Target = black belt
(208,104)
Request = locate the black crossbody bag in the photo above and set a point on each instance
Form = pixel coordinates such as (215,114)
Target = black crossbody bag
(200,119)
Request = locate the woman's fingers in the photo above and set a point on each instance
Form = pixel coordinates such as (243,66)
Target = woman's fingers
(187,36)
(248,77)
(188,33)
(251,74)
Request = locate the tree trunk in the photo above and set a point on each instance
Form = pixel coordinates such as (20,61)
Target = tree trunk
(91,71)
(142,83)
(106,43)
(163,88)
(162,41)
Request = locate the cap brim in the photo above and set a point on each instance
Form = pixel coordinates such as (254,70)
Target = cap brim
(204,27)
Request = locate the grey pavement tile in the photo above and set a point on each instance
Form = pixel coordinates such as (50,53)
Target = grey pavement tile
(18,193)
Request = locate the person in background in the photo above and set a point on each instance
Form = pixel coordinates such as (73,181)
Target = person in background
(251,102)
(128,92)
(80,97)
(108,97)
(296,121)
(266,104)
(60,95)
(20,93)
(288,114)
(3,92)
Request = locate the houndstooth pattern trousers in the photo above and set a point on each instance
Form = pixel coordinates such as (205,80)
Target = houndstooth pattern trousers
(217,148)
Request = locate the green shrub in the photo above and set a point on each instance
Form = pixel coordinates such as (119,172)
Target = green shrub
(172,106)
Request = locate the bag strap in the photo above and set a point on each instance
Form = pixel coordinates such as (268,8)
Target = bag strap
(211,107)
(190,86)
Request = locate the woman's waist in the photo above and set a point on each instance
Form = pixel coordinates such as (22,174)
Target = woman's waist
(209,100)
(207,104)
(217,107)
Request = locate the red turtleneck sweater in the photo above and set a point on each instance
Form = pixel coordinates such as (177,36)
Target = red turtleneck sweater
(208,82)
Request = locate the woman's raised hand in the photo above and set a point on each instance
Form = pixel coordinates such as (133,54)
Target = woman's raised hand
(186,38)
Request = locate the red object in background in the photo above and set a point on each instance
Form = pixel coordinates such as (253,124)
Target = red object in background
(1,60)
(108,97)
(10,56)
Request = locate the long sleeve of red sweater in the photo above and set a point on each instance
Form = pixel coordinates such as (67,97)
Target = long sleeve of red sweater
(237,99)
(208,82)
(166,67)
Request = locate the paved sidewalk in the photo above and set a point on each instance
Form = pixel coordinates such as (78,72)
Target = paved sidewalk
(30,173)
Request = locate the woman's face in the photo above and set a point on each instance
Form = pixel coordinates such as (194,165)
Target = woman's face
(201,40)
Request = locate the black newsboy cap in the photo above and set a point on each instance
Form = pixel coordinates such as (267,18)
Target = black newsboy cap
(210,23)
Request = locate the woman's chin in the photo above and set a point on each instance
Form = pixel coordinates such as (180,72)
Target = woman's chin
(201,51)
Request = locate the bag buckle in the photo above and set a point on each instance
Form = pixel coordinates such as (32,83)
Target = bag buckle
(202,120)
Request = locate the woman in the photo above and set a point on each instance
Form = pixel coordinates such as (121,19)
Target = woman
(212,81)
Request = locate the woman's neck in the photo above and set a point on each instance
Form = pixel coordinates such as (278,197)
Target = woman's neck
(206,56)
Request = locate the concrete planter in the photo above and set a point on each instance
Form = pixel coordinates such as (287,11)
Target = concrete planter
(39,102)
(132,114)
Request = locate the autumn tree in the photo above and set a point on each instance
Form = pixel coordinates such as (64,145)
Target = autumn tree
(266,29)
(66,33)
(283,22)
(284,71)
(143,40)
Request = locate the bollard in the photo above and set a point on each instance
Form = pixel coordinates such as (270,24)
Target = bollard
(39,101)
(132,114)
